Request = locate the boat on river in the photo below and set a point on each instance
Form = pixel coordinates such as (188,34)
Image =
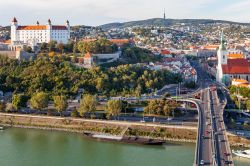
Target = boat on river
(124,139)
(242,153)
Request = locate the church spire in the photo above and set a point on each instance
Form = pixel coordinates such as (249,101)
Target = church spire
(222,41)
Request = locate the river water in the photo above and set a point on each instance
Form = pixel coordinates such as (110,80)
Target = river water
(26,147)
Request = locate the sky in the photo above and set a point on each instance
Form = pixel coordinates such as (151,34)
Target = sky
(98,12)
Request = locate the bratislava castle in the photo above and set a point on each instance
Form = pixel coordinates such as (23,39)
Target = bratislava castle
(39,33)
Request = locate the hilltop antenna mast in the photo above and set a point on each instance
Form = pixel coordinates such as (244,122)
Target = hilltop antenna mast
(164,16)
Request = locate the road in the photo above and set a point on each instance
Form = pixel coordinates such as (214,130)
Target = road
(223,155)
(205,150)
(212,143)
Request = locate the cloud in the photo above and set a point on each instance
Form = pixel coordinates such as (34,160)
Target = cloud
(96,12)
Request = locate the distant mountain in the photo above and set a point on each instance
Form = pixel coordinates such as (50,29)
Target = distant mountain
(166,22)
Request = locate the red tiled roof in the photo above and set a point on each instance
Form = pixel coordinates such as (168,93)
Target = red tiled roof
(41,27)
(165,52)
(88,55)
(236,66)
(33,27)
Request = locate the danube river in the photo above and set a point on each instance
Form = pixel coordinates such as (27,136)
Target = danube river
(26,147)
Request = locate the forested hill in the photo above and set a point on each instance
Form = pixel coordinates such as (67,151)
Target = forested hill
(166,22)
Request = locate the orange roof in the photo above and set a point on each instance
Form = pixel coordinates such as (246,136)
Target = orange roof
(211,47)
(32,27)
(193,47)
(88,55)
(165,52)
(120,41)
(236,56)
(244,85)
(240,80)
(41,27)
(7,41)
(236,66)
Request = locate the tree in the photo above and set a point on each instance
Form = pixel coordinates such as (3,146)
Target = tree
(248,104)
(60,47)
(28,49)
(39,100)
(18,101)
(138,91)
(87,104)
(114,107)
(60,103)
(52,46)
(2,106)
(9,107)
(43,46)
(245,126)
(74,113)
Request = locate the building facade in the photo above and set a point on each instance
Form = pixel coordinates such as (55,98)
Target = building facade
(231,65)
(34,34)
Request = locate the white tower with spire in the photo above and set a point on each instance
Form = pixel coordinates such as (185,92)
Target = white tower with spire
(49,29)
(14,26)
(222,59)
(68,27)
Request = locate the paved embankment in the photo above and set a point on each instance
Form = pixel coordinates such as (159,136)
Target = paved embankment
(167,132)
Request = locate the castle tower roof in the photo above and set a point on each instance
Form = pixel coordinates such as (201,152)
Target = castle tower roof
(14,19)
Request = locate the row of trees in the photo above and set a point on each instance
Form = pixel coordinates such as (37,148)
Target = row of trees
(88,105)
(243,91)
(162,107)
(40,101)
(58,77)
(242,102)
(98,46)
(138,55)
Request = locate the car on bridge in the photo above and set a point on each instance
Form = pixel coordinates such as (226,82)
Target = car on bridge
(202,162)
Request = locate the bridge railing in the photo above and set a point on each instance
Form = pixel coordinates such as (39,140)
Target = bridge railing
(197,152)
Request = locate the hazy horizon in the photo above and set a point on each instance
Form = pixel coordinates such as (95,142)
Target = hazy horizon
(99,12)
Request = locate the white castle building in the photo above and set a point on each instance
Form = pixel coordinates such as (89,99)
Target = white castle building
(34,34)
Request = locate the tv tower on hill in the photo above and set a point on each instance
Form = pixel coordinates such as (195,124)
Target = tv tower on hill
(164,16)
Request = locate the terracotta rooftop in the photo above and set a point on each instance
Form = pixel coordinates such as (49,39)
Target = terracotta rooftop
(33,27)
(88,55)
(236,66)
(41,27)
(236,56)
(165,52)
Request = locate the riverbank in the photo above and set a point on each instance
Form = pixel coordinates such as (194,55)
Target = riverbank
(78,125)
(236,141)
